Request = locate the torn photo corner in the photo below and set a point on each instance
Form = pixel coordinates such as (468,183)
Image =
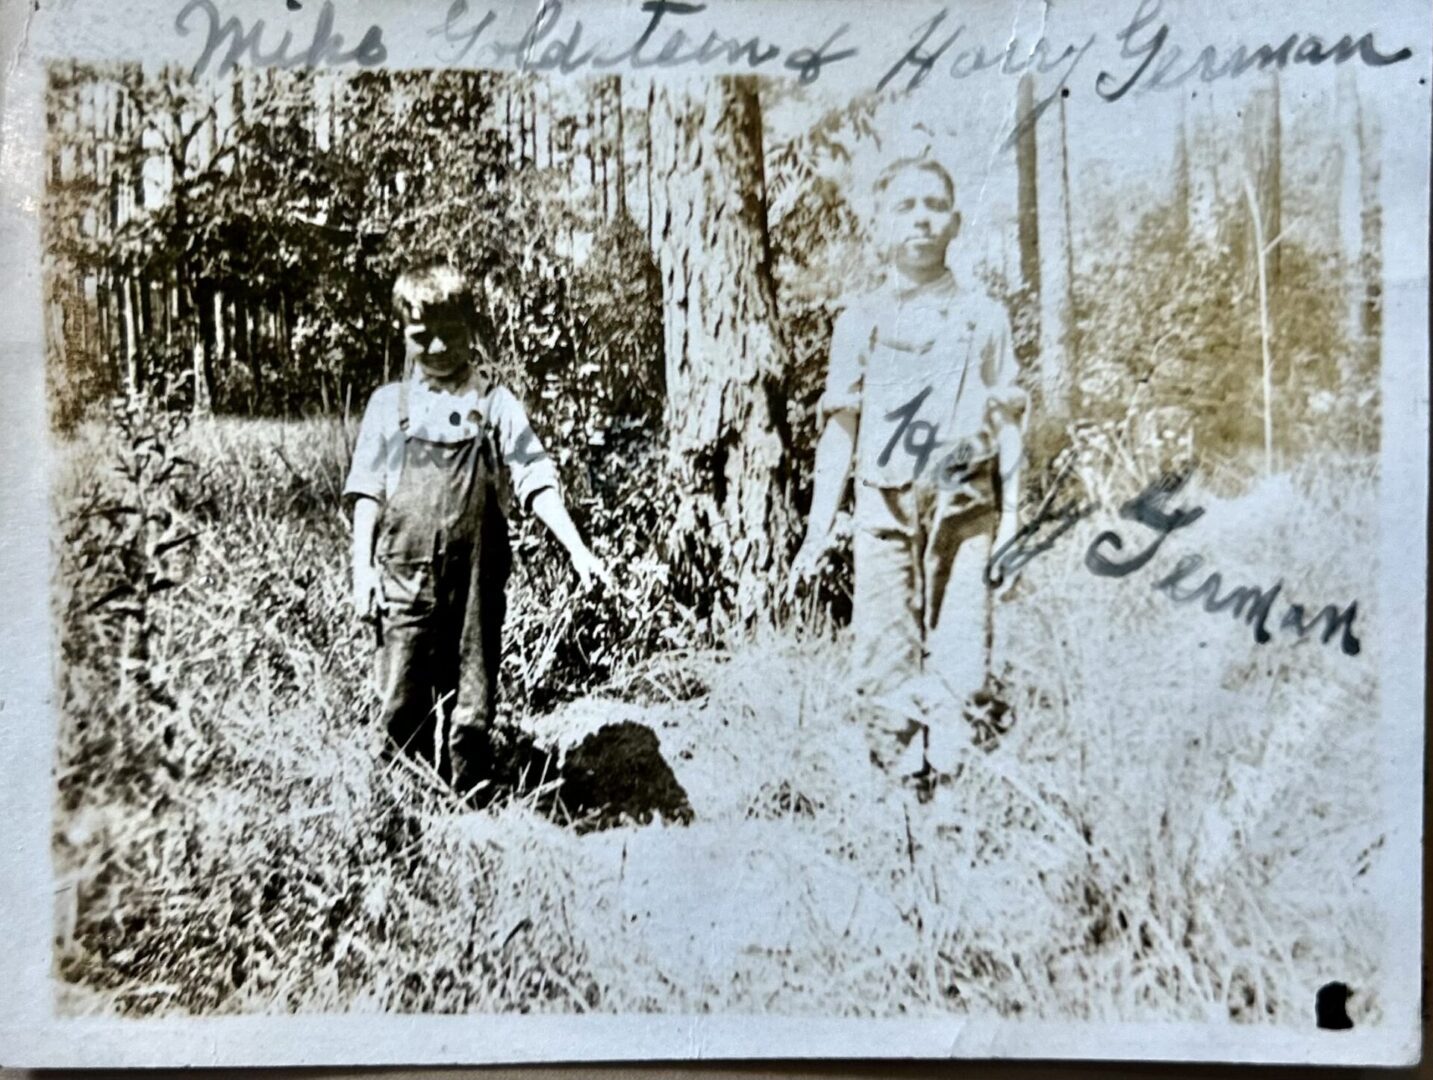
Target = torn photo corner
(609,531)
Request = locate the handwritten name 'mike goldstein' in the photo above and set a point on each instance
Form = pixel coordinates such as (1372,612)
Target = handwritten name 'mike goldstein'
(553,43)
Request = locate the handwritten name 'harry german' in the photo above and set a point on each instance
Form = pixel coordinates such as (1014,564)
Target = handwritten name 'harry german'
(673,36)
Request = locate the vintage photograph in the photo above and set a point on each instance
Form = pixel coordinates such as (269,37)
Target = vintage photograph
(647,543)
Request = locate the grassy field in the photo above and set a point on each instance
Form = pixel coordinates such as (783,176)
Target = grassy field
(1178,826)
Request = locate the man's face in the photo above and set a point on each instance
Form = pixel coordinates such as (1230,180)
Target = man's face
(438,339)
(920,218)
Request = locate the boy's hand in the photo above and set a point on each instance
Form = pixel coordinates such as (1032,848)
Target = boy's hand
(367,591)
(1000,579)
(590,570)
(805,566)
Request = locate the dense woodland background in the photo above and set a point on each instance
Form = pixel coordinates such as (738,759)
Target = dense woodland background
(662,263)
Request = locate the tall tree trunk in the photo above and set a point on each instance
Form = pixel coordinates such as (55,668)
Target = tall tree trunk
(549,120)
(104,323)
(1349,220)
(508,122)
(1027,317)
(243,343)
(591,145)
(621,147)
(1262,245)
(726,366)
(283,346)
(649,172)
(229,355)
(1053,245)
(217,355)
(129,305)
(1263,163)
(203,349)
(1370,256)
(600,142)
(145,290)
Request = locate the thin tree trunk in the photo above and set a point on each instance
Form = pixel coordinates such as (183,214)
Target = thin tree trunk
(1027,338)
(600,142)
(1052,247)
(1261,262)
(128,312)
(549,116)
(203,350)
(1072,332)
(591,145)
(219,354)
(621,148)
(145,291)
(1371,246)
(243,344)
(103,325)
(1349,221)
(507,122)
(650,170)
(1263,136)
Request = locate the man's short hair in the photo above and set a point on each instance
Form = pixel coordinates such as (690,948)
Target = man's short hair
(432,285)
(920,163)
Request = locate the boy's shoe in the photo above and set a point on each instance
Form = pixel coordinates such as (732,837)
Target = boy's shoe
(900,755)
(895,730)
(924,782)
(989,714)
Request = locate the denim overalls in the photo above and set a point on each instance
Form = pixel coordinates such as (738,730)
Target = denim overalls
(444,556)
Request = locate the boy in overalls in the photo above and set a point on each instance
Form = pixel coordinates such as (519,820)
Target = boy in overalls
(921,403)
(428,483)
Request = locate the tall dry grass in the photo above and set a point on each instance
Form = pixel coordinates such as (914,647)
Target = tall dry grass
(1177,826)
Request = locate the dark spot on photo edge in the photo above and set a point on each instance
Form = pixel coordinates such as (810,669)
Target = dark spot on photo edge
(1331,1007)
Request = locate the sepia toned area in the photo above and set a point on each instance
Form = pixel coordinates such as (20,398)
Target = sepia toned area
(1177,822)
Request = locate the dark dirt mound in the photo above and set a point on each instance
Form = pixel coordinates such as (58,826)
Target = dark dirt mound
(613,776)
(618,773)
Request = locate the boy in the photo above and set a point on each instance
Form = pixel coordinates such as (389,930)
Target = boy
(430,540)
(922,405)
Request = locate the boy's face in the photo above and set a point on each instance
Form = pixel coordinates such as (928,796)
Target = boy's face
(438,339)
(920,219)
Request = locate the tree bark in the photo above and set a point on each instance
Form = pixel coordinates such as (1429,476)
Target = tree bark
(1263,138)
(600,142)
(726,366)
(203,349)
(649,170)
(1370,257)
(1027,338)
(1056,269)
(1349,220)
(621,148)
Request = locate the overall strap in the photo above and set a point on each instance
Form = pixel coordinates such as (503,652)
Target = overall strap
(964,371)
(403,406)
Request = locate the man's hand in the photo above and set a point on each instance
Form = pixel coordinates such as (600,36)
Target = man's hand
(591,570)
(367,591)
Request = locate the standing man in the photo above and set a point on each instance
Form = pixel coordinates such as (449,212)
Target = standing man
(921,404)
